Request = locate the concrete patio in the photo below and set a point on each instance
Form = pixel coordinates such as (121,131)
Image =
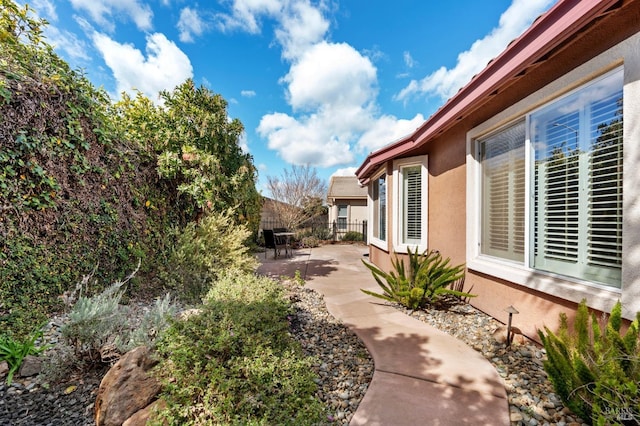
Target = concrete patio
(423,376)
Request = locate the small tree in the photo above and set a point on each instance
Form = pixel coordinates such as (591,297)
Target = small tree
(299,195)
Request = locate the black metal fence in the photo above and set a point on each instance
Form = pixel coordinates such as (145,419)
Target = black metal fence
(339,230)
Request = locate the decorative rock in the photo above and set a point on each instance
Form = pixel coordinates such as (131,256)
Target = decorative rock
(31,366)
(500,335)
(141,417)
(515,416)
(4,368)
(126,388)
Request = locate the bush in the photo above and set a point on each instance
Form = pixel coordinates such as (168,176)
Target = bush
(426,282)
(235,362)
(352,236)
(310,241)
(595,369)
(100,329)
(94,322)
(204,251)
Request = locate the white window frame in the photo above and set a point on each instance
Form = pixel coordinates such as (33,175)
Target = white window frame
(598,296)
(373,240)
(342,226)
(398,202)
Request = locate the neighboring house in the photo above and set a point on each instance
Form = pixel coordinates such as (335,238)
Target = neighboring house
(347,202)
(530,174)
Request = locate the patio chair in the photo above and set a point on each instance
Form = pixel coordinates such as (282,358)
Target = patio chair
(274,242)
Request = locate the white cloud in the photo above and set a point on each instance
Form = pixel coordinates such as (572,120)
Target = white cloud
(45,9)
(331,74)
(300,27)
(334,87)
(446,82)
(348,171)
(164,66)
(306,141)
(247,93)
(386,130)
(330,87)
(103,12)
(299,23)
(245,15)
(67,42)
(190,24)
(408,59)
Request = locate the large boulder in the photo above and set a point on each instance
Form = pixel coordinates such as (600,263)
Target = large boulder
(126,388)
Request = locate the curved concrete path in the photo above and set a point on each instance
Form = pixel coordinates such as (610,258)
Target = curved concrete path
(422,376)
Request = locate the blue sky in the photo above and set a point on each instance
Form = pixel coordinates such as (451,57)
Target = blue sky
(314,82)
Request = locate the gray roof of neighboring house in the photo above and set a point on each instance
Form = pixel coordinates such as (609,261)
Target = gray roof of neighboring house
(346,187)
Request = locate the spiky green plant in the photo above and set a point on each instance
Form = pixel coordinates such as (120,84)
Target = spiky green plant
(426,280)
(14,351)
(596,369)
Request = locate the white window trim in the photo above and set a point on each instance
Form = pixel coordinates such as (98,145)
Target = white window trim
(398,222)
(377,242)
(346,218)
(598,296)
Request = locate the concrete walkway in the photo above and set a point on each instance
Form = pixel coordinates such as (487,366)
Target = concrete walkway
(422,376)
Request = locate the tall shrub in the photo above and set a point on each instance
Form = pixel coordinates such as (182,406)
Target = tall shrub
(200,149)
(595,368)
(204,251)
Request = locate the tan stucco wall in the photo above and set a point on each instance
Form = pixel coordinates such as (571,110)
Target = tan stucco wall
(447,201)
(356,209)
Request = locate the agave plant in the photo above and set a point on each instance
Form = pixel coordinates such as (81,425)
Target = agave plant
(428,279)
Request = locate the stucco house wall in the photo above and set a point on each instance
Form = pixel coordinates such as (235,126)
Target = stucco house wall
(600,41)
(345,191)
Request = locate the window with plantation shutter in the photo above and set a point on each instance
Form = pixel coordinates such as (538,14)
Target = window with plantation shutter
(410,203)
(577,175)
(412,183)
(503,186)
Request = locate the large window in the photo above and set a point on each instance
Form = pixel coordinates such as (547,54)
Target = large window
(379,198)
(410,208)
(568,219)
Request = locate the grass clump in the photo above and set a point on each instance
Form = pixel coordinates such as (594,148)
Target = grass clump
(15,351)
(235,362)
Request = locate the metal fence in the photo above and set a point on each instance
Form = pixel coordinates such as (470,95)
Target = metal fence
(339,230)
